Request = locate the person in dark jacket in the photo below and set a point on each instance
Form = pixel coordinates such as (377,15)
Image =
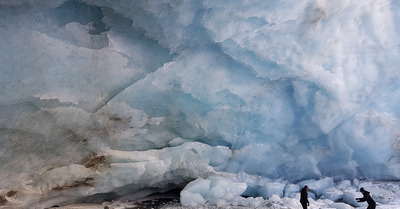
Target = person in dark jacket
(368,198)
(304,197)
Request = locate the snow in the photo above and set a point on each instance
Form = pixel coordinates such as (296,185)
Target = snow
(104,99)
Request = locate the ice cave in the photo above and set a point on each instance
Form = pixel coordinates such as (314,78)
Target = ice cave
(226,102)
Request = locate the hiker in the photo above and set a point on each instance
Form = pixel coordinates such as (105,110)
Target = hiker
(368,198)
(304,197)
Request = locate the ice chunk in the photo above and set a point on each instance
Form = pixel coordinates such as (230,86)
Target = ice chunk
(200,186)
(222,186)
(319,186)
(275,198)
(291,202)
(355,182)
(270,189)
(344,184)
(252,183)
(349,197)
(213,190)
(333,194)
(291,188)
(191,199)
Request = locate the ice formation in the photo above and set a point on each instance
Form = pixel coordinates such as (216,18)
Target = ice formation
(202,192)
(114,99)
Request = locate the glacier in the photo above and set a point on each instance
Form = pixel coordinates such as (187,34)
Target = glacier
(119,99)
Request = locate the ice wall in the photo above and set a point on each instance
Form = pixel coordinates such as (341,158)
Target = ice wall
(280,89)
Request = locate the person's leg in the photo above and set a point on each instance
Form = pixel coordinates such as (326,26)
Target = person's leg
(304,204)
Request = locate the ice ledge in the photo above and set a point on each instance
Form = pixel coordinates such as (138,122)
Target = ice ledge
(121,173)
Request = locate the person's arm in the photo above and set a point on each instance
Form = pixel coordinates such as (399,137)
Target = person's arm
(362,199)
(308,203)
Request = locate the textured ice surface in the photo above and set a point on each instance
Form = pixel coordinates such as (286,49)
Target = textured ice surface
(104,99)
(200,193)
